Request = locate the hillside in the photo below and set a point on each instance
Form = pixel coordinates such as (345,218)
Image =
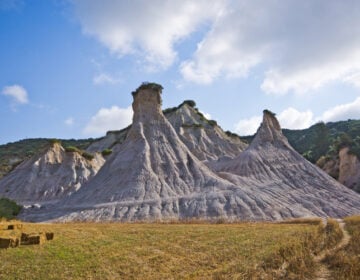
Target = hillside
(183,166)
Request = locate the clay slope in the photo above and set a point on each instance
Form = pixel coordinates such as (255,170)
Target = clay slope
(204,138)
(285,176)
(50,176)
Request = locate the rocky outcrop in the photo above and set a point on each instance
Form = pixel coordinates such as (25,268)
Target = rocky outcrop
(204,138)
(345,167)
(50,176)
(277,169)
(349,169)
(153,175)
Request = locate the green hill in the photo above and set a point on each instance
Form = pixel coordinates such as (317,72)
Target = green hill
(324,139)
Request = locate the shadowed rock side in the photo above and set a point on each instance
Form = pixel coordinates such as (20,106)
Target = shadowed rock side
(281,173)
(51,176)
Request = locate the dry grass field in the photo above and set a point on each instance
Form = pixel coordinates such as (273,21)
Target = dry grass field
(167,251)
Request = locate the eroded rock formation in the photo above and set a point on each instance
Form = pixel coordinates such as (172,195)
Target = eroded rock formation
(50,176)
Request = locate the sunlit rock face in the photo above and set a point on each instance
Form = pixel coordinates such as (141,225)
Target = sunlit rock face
(50,176)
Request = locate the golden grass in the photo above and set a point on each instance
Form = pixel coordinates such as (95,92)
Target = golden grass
(345,264)
(165,251)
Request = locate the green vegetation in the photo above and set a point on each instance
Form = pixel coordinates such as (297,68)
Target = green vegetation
(147,85)
(192,125)
(72,149)
(87,155)
(344,264)
(266,111)
(106,152)
(8,208)
(162,251)
(231,134)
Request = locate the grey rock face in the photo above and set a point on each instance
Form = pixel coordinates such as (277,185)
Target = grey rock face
(153,175)
(205,139)
(49,177)
(280,172)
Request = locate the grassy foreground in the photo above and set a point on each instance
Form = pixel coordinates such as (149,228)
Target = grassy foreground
(164,251)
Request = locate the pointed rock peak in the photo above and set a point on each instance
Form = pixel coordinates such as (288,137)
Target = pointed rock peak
(269,131)
(270,120)
(147,102)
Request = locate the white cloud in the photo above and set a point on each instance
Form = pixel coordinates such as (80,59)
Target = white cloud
(109,119)
(294,119)
(17,93)
(248,126)
(303,45)
(343,112)
(105,78)
(146,28)
(69,121)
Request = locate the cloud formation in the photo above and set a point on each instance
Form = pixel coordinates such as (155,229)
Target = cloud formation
(17,93)
(299,45)
(69,121)
(105,78)
(106,119)
(146,28)
(302,44)
(343,112)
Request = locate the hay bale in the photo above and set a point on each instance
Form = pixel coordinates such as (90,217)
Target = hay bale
(19,226)
(49,236)
(10,242)
(32,239)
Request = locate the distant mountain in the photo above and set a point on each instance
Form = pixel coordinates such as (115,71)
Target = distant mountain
(179,165)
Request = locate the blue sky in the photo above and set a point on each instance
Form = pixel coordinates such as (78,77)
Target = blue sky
(67,67)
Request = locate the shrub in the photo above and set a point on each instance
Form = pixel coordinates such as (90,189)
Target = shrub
(190,103)
(106,152)
(212,123)
(72,149)
(147,85)
(54,141)
(8,208)
(192,125)
(87,155)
